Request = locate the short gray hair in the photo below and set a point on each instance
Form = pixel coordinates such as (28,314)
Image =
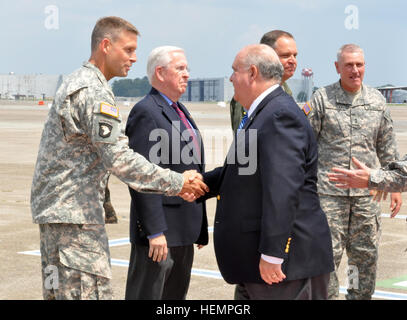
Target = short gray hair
(350,47)
(159,57)
(268,64)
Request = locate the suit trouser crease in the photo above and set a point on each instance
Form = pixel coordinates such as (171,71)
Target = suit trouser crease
(165,280)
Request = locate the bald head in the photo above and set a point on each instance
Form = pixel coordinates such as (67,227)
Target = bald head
(264,58)
(255,69)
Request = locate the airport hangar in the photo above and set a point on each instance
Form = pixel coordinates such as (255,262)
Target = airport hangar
(44,87)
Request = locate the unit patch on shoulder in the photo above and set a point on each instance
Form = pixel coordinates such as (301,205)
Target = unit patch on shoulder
(109,110)
(307,108)
(105,130)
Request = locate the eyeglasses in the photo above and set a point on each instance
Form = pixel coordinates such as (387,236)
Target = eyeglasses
(179,69)
(182,69)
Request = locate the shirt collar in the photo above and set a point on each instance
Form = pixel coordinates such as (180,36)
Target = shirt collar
(169,101)
(343,98)
(100,75)
(260,98)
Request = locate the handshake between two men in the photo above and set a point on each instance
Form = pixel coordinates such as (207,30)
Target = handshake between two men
(193,187)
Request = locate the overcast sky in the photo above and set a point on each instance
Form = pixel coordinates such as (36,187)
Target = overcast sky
(53,36)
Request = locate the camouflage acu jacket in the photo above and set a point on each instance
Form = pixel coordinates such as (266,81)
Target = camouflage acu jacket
(82,143)
(362,128)
(392,178)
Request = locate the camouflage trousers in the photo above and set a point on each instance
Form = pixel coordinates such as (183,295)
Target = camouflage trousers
(355,226)
(75,262)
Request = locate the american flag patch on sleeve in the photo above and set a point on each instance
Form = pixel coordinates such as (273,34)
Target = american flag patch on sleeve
(307,108)
(108,109)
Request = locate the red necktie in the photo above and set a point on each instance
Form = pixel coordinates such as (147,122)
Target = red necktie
(189,128)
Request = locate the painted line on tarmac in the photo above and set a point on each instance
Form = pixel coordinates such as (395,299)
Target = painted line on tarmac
(31,253)
(125,263)
(389,295)
(395,283)
(197,272)
(214,274)
(119,263)
(206,273)
(126,241)
(379,294)
(386,215)
(401,284)
(119,242)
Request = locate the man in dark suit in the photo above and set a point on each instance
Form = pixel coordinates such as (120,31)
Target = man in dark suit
(164,229)
(271,236)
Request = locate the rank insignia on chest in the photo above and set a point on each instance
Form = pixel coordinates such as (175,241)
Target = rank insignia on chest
(105,130)
(307,108)
(109,110)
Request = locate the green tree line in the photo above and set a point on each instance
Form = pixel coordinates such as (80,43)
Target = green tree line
(138,87)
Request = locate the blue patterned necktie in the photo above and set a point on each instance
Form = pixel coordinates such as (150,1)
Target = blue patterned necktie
(244,119)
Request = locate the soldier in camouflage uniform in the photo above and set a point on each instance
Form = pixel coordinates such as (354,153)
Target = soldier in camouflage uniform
(351,119)
(391,178)
(82,144)
(284,45)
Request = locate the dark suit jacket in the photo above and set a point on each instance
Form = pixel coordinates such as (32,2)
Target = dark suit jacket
(275,210)
(183,223)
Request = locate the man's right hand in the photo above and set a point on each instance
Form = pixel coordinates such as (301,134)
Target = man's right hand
(347,179)
(158,248)
(193,187)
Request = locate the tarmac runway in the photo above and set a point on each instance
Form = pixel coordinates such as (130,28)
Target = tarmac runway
(20,274)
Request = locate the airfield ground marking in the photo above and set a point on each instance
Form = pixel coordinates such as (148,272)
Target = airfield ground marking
(386,215)
(215,274)
(395,283)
